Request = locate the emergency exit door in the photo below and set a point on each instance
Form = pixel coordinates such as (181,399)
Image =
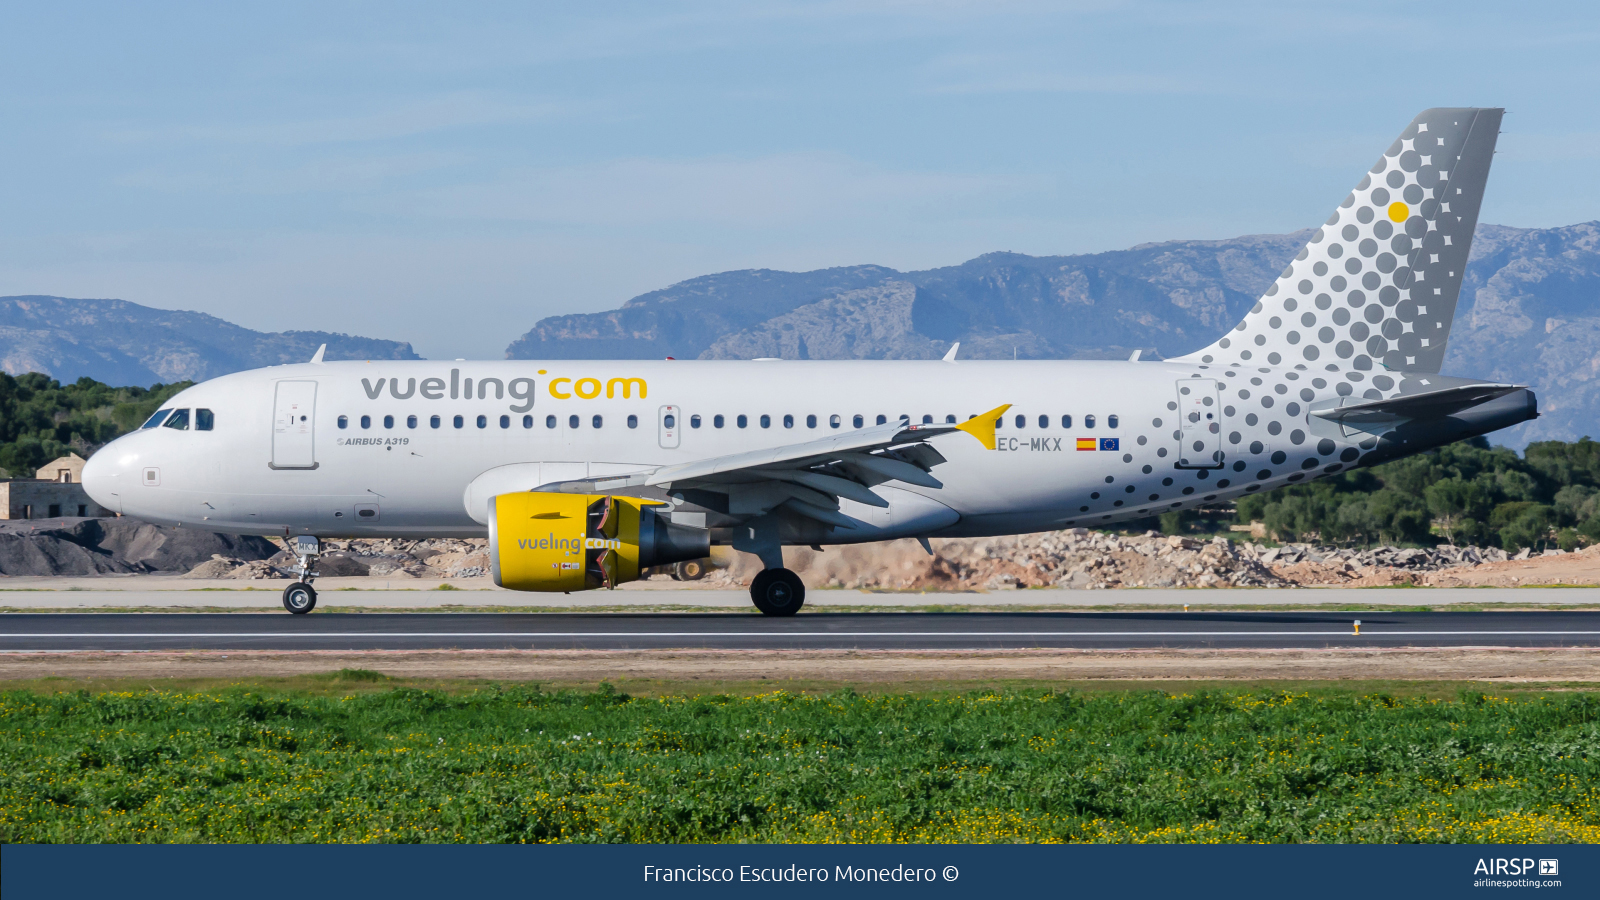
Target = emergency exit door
(1199,424)
(671,426)
(293,418)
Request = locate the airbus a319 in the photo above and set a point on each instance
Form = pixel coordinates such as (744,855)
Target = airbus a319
(584,474)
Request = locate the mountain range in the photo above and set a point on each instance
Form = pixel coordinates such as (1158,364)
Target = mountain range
(123,343)
(1529,313)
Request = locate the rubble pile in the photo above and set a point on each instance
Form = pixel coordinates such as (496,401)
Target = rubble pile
(1310,564)
(1079,558)
(385,558)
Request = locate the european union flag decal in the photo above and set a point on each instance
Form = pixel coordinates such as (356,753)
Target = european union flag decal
(1109,444)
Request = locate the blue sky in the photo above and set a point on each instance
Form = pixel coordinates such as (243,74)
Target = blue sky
(448,177)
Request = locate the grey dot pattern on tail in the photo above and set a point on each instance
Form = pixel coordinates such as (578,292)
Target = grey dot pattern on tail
(1377,284)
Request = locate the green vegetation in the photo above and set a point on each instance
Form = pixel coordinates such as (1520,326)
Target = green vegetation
(377,763)
(42,419)
(1463,493)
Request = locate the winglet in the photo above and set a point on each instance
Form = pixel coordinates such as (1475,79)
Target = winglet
(982,427)
(950,355)
(316,358)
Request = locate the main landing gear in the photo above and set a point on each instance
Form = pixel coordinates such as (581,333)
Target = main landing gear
(778,592)
(300,597)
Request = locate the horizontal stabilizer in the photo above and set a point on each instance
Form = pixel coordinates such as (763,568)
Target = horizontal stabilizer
(1433,404)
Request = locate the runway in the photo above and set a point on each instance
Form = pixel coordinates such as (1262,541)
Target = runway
(814,631)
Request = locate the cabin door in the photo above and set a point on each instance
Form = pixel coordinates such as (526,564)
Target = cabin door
(1199,424)
(293,417)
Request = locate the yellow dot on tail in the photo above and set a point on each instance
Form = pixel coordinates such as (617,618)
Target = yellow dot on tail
(1399,211)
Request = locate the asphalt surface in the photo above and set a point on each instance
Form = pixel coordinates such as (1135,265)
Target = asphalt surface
(863,631)
(178,593)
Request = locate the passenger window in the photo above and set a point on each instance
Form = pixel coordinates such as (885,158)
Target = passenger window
(179,420)
(505,421)
(1066,421)
(904,417)
(927,419)
(527,421)
(950,419)
(766,421)
(743,421)
(366,421)
(834,421)
(596,422)
(811,421)
(344,421)
(859,421)
(483,421)
(155,419)
(459,422)
(1088,421)
(203,420)
(998,423)
(433,422)
(1022,421)
(1044,421)
(411,421)
(388,421)
(716,421)
(788,421)
(572,421)
(549,421)
(1111,421)
(633,422)
(883,420)
(694,421)
(669,420)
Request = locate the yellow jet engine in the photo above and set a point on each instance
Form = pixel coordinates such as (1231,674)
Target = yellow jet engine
(580,542)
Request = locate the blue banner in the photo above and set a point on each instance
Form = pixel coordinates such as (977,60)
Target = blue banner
(445,872)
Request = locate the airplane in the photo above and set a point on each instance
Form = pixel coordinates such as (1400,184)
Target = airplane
(584,474)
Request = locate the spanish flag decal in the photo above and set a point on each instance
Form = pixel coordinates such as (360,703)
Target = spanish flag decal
(1086,444)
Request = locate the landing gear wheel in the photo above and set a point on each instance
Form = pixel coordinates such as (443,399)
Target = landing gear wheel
(299,598)
(778,592)
(689,571)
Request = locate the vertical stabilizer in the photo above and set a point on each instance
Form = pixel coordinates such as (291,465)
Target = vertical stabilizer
(1378,282)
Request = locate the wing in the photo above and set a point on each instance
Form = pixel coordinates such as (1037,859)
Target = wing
(808,478)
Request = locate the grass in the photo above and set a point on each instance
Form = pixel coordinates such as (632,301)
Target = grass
(355,756)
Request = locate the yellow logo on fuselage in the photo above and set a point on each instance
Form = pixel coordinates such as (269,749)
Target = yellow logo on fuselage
(590,388)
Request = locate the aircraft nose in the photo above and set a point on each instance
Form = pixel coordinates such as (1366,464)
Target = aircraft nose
(102,478)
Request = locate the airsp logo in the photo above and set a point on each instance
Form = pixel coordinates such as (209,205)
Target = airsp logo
(1515,867)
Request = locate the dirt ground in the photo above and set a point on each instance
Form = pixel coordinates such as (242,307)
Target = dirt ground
(786,668)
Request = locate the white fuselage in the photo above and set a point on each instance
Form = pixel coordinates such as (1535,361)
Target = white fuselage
(317,469)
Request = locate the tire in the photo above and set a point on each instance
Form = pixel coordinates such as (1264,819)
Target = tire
(299,598)
(692,570)
(778,592)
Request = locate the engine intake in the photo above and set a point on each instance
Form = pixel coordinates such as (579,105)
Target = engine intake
(579,542)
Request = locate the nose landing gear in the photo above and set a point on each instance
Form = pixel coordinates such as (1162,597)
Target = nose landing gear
(300,597)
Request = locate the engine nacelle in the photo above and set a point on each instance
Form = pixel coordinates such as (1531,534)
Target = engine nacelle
(580,542)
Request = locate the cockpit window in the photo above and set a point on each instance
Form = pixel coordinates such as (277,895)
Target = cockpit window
(179,420)
(203,420)
(155,420)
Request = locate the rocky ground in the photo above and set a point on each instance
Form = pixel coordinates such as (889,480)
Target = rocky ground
(114,546)
(1078,558)
(1075,558)
(389,558)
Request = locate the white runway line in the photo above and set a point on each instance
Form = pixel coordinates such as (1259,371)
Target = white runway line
(786,634)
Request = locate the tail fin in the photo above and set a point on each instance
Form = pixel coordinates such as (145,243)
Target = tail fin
(1379,281)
